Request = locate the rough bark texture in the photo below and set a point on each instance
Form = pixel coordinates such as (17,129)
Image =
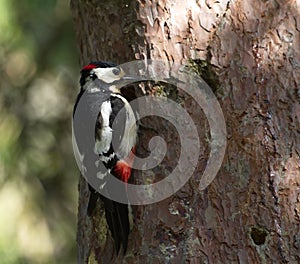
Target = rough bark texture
(251,211)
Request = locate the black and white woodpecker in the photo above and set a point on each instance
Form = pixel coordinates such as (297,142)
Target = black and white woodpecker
(114,141)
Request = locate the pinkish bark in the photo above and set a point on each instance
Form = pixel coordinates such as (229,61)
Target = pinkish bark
(251,211)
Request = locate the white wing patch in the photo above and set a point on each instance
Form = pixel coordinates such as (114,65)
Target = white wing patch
(103,145)
(107,158)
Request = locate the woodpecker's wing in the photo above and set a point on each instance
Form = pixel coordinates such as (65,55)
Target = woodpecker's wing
(116,132)
(85,115)
(124,127)
(118,122)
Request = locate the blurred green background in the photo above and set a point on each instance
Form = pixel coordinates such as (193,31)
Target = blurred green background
(38,174)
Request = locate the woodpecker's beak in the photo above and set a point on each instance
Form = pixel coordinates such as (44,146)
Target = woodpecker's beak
(130,78)
(126,77)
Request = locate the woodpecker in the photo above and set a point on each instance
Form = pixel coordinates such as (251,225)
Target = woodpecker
(114,141)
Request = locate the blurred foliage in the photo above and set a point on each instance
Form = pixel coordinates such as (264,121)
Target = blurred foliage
(38,174)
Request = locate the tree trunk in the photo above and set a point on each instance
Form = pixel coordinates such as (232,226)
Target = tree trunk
(248,52)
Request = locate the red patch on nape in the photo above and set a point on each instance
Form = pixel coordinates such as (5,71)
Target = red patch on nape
(89,67)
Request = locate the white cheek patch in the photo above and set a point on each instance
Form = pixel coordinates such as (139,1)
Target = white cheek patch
(106,74)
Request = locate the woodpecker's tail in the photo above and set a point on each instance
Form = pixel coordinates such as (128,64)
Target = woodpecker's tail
(117,218)
(118,222)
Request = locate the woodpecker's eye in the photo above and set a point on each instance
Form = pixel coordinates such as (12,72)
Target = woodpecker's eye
(93,75)
(116,71)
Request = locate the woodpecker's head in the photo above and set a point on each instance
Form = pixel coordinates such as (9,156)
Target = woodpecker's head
(104,71)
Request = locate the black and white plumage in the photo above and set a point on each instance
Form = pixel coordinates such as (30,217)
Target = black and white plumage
(115,134)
